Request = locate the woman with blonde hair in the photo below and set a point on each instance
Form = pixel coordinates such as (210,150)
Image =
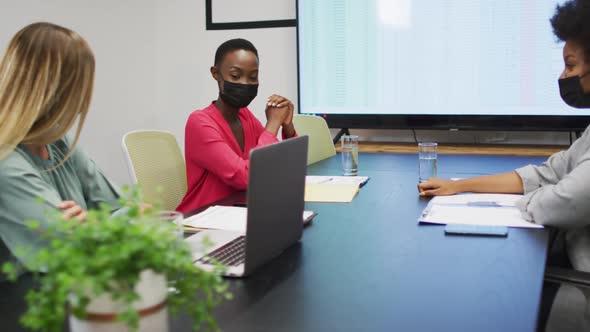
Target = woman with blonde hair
(46,81)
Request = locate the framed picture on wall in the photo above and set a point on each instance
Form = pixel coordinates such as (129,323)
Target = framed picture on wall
(253,14)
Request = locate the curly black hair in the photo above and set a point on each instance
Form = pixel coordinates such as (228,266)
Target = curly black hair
(571,21)
(232,45)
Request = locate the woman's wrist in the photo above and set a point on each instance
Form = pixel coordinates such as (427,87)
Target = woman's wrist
(272,126)
(459,186)
(288,130)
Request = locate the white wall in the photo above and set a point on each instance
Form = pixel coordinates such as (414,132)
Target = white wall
(153,59)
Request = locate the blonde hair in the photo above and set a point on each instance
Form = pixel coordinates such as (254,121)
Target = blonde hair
(46,81)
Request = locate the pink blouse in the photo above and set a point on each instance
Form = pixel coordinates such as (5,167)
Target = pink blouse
(216,166)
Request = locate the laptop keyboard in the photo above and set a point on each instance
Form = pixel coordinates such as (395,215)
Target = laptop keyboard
(231,254)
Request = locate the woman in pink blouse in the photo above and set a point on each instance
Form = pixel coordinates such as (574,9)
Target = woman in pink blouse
(218,138)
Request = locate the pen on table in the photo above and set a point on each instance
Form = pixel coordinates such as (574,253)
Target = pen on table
(484,204)
(363,183)
(476,204)
(325,180)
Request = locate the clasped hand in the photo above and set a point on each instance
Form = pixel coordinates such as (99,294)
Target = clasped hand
(279,109)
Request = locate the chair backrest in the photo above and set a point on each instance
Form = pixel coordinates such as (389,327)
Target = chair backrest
(157,165)
(320,139)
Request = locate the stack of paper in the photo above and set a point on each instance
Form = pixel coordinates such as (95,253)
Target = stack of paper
(476,209)
(333,189)
(229,218)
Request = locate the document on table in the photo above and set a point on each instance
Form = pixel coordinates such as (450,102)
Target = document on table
(330,193)
(229,218)
(476,209)
(333,189)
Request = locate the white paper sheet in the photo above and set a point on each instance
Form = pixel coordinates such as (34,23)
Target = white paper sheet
(229,218)
(500,199)
(456,210)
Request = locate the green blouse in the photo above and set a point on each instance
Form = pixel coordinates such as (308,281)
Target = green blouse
(29,192)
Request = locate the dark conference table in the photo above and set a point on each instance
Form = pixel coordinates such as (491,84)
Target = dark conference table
(369,266)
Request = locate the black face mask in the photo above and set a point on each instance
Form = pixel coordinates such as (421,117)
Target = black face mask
(572,93)
(238,95)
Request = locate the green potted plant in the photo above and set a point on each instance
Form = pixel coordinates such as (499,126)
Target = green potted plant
(119,271)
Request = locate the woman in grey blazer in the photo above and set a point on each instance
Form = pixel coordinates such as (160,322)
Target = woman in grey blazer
(556,193)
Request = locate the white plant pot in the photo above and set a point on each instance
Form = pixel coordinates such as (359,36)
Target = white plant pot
(152,290)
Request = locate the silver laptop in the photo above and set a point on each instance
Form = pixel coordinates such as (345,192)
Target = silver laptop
(275,199)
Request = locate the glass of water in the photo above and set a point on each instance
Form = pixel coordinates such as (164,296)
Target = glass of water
(175,218)
(427,156)
(350,154)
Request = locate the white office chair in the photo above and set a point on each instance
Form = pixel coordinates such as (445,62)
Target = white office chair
(157,165)
(320,139)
